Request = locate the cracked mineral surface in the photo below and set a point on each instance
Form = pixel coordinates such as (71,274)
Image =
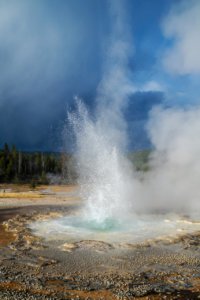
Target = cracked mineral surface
(34,268)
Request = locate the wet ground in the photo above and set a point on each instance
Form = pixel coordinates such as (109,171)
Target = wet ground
(32,268)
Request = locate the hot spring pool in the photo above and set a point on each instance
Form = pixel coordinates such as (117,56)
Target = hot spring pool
(137,229)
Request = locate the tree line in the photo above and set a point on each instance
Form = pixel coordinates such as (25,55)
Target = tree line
(36,167)
(49,167)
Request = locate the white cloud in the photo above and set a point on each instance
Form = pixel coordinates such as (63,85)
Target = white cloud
(152,86)
(182,25)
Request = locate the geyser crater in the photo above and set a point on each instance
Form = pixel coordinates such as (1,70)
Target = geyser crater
(137,229)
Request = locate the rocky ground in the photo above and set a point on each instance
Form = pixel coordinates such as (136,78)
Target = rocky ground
(32,268)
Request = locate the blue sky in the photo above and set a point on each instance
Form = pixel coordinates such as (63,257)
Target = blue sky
(51,50)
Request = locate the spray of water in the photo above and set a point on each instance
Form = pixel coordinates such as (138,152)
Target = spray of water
(105,175)
(108,184)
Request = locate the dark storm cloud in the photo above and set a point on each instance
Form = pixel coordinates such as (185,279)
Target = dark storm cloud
(49,50)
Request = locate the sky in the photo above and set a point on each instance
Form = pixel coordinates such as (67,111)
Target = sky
(53,50)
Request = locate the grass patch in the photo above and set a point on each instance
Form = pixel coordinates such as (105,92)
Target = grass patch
(20,195)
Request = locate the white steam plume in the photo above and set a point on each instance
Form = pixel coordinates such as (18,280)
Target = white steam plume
(115,86)
(105,175)
(173,182)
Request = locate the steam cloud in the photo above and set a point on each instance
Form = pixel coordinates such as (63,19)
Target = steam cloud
(108,183)
(104,174)
(172,183)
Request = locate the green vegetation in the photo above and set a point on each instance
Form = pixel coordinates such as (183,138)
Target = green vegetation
(43,168)
(34,167)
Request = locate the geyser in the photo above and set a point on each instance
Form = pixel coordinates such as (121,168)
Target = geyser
(119,204)
(105,175)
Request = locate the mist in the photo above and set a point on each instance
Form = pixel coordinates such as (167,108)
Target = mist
(104,172)
(172,183)
(110,187)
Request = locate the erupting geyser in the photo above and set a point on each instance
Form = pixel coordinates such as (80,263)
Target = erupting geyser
(105,175)
(119,204)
